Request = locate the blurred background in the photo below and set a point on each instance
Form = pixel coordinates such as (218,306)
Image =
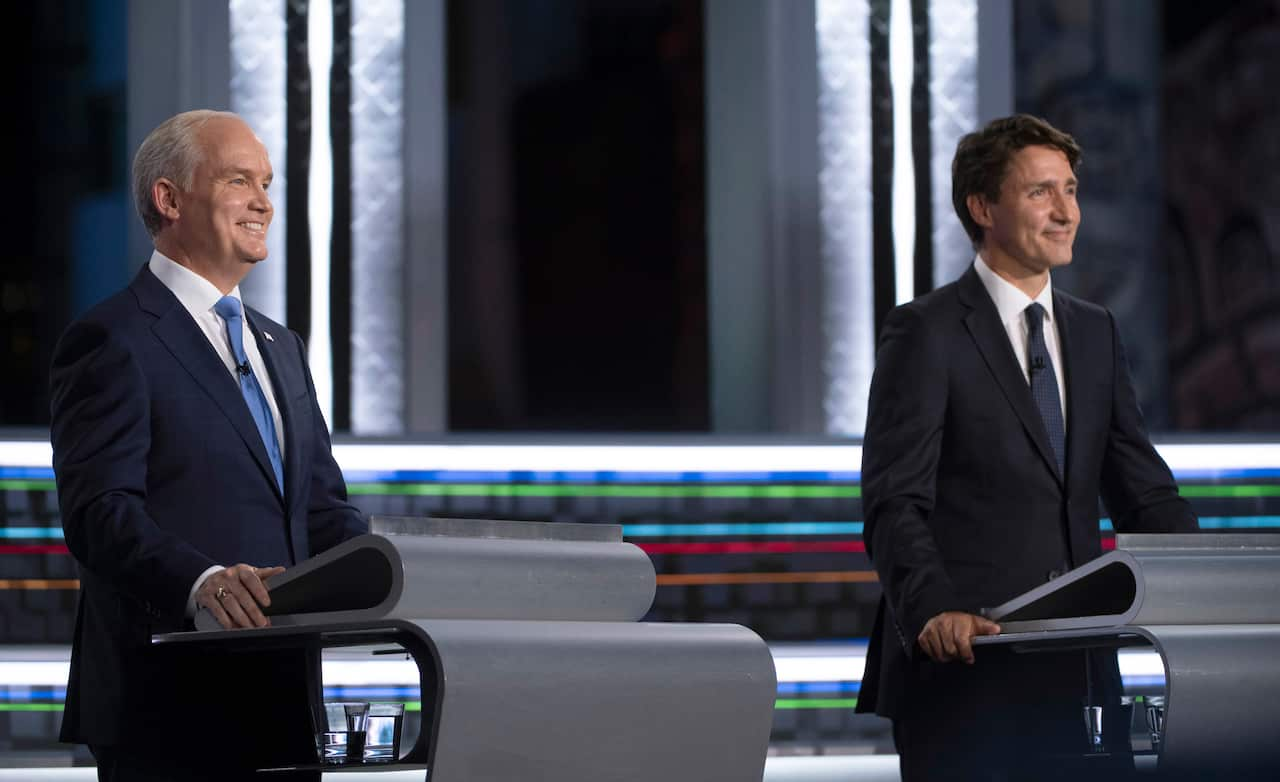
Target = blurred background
(578,235)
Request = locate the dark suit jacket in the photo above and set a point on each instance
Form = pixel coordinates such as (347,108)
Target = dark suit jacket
(162,474)
(963,502)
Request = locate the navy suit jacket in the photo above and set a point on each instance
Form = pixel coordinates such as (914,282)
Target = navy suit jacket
(162,474)
(964,505)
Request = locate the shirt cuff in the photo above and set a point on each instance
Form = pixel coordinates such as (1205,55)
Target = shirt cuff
(191,597)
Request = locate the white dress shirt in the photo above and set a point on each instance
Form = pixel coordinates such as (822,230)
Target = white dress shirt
(1011,303)
(198,296)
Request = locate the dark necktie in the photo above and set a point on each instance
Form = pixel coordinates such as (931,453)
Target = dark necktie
(1044,385)
(229,308)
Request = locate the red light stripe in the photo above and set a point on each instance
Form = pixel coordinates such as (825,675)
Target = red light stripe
(822,577)
(1108,544)
(49,548)
(756,547)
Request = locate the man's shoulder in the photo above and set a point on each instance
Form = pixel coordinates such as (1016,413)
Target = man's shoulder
(1080,312)
(1084,305)
(119,313)
(945,302)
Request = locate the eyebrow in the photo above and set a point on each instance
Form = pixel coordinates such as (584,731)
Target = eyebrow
(246,173)
(1072,182)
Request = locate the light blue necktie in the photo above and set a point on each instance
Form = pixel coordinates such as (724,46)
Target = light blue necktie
(1044,385)
(229,308)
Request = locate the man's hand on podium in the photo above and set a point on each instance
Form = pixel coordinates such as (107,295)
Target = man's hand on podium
(949,635)
(233,595)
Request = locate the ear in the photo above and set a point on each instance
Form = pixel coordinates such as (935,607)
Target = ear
(979,209)
(166,197)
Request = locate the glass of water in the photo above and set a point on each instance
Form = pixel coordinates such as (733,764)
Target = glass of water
(382,732)
(342,738)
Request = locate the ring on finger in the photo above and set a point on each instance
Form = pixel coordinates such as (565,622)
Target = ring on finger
(221,594)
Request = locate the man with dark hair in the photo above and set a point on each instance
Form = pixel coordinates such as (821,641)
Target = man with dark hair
(1000,411)
(192,463)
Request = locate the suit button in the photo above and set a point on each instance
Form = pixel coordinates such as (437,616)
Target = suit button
(1052,574)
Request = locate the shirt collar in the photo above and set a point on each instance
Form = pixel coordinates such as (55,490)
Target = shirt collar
(197,294)
(1009,300)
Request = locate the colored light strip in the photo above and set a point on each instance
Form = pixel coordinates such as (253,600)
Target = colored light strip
(1231,491)
(751,547)
(39,583)
(816,577)
(373,693)
(767,491)
(797,528)
(31,533)
(31,707)
(34,549)
(26,473)
(31,694)
(596,476)
(815,703)
(819,688)
(1239,522)
(26,484)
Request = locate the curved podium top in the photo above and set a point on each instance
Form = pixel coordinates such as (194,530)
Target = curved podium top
(1192,579)
(466,569)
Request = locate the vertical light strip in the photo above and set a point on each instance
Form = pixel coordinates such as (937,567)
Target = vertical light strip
(377,217)
(844,142)
(901,74)
(258,96)
(320,201)
(953,108)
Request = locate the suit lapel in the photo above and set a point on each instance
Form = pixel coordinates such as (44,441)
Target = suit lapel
(283,392)
(983,323)
(191,349)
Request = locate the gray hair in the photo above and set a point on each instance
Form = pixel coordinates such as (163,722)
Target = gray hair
(171,151)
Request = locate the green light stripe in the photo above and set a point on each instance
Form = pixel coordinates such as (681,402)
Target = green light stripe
(815,703)
(30,707)
(628,491)
(1248,490)
(24,485)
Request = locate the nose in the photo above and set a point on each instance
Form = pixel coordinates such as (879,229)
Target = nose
(1063,208)
(261,202)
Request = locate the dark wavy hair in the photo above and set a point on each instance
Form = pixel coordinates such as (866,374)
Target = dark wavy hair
(982,160)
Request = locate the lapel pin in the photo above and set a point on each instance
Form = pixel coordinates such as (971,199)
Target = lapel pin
(270,338)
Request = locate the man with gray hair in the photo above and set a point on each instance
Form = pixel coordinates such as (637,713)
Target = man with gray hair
(192,460)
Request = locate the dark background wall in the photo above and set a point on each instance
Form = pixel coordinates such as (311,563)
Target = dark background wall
(577,201)
(65,203)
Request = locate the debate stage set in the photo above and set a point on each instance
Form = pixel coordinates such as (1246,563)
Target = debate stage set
(709,588)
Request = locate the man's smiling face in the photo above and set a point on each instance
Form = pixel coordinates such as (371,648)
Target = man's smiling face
(225,212)
(1030,230)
